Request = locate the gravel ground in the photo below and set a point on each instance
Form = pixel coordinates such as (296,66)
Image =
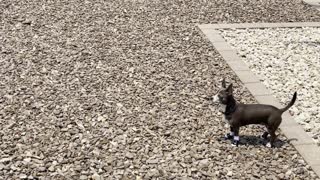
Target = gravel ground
(286,60)
(118,90)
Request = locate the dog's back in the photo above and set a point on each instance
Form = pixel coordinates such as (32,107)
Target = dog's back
(256,114)
(261,113)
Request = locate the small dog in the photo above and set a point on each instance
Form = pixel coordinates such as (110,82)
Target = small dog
(238,115)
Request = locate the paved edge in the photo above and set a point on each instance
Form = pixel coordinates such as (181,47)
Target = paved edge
(210,27)
(314,3)
(302,142)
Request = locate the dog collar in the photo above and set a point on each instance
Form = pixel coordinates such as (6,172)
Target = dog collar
(231,106)
(230,109)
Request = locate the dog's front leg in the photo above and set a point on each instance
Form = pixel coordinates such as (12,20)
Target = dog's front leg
(230,135)
(265,135)
(236,138)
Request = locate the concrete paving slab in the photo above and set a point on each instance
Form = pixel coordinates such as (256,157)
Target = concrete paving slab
(247,25)
(272,25)
(247,76)
(220,46)
(310,24)
(257,89)
(215,37)
(238,65)
(206,26)
(296,134)
(315,3)
(268,99)
(229,26)
(291,25)
(230,55)
(316,168)
(310,153)
(210,31)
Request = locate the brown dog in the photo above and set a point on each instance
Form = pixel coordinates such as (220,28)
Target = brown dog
(238,115)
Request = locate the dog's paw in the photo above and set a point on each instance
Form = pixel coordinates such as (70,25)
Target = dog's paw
(269,145)
(235,143)
(228,136)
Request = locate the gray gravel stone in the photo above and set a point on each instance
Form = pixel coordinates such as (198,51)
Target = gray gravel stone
(82,177)
(23,176)
(204,163)
(42,169)
(96,176)
(154,173)
(129,155)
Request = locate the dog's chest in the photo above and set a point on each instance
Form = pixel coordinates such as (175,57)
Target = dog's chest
(227,117)
(226,120)
(222,108)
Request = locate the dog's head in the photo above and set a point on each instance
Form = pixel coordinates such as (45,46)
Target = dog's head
(223,94)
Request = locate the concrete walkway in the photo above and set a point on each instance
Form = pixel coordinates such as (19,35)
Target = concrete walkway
(314,3)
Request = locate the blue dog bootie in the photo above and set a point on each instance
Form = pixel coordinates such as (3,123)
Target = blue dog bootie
(229,136)
(235,141)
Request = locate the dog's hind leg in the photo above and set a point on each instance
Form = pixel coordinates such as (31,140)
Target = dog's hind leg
(272,132)
(272,127)
(270,143)
(272,138)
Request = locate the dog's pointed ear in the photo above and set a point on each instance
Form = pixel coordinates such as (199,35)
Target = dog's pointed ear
(229,89)
(224,83)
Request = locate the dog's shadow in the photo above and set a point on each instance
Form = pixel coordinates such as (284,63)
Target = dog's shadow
(259,141)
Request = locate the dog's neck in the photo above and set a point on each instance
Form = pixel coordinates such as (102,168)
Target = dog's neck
(231,105)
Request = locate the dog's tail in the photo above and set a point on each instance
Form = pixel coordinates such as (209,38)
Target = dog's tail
(291,103)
